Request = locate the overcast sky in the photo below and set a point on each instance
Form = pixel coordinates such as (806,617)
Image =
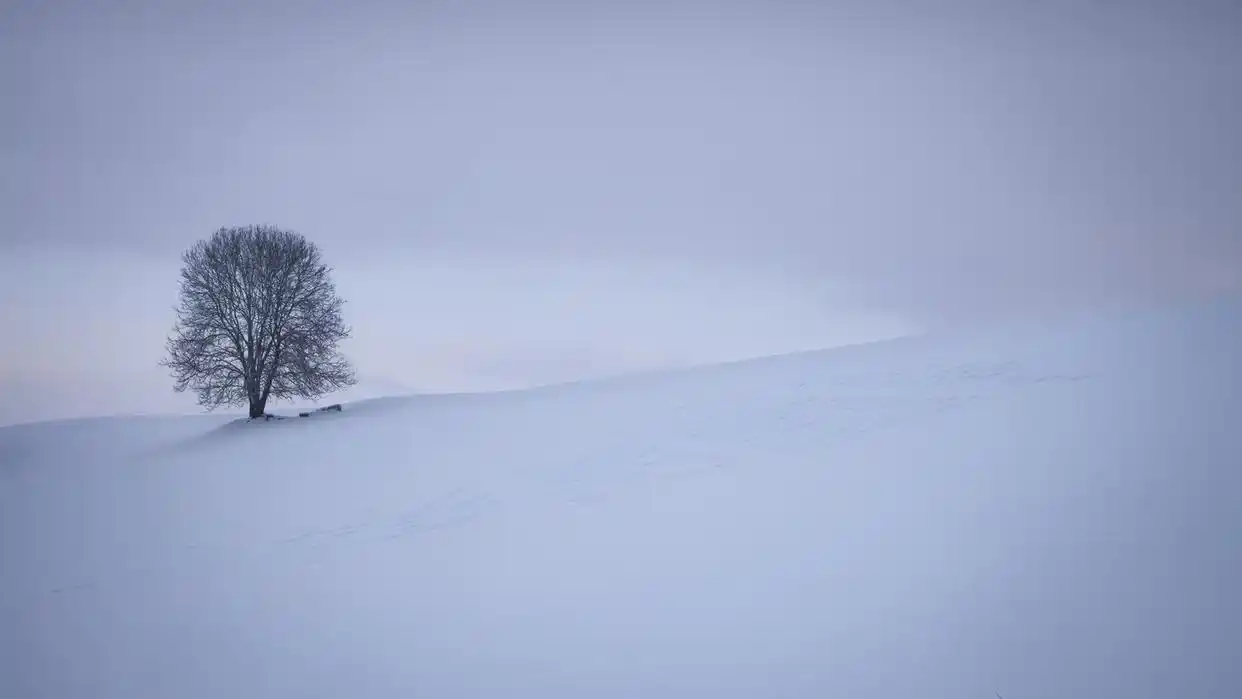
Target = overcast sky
(520,192)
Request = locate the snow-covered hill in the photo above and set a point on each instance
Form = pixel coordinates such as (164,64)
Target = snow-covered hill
(1046,513)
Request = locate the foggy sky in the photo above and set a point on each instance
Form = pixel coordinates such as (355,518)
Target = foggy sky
(520,192)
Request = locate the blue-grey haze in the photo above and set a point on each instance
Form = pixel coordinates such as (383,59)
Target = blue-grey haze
(521,192)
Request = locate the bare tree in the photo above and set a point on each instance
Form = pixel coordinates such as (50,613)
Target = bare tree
(259,317)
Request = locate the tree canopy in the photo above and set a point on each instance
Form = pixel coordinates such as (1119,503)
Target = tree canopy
(258,317)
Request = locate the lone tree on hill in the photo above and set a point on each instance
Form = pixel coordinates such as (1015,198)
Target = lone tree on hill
(259,317)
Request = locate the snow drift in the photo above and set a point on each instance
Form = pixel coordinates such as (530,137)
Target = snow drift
(1047,513)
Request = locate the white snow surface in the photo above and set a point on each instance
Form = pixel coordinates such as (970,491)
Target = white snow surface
(1055,512)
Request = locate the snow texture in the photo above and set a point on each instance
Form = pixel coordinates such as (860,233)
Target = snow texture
(1051,512)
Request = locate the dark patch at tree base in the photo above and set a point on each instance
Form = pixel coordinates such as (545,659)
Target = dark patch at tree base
(334,408)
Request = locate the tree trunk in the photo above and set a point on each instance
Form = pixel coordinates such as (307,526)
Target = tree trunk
(252,394)
(258,406)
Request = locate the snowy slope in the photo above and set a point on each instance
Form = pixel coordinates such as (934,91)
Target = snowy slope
(1051,513)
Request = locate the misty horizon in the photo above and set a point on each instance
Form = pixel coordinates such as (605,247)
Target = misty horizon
(520,195)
